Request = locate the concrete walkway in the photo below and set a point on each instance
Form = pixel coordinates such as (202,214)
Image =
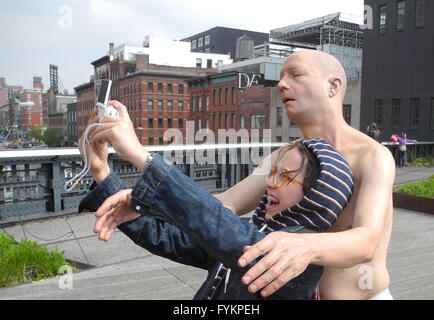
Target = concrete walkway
(123,270)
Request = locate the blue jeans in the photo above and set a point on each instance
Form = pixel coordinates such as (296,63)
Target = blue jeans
(402,157)
(185,223)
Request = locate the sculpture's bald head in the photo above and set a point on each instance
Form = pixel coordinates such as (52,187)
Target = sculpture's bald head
(325,65)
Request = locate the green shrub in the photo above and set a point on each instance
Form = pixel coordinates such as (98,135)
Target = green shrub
(423,162)
(27,261)
(421,189)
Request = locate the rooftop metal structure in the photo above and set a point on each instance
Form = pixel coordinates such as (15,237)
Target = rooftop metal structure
(336,28)
(338,34)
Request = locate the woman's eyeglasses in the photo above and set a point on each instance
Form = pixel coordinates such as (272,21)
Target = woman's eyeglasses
(281,177)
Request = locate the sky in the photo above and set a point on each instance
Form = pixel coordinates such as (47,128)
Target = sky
(72,34)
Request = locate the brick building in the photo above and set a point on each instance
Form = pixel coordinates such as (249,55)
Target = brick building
(157,97)
(220,101)
(213,101)
(31,116)
(85,104)
(253,109)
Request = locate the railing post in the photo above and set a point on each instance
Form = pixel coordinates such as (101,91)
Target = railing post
(2,180)
(238,167)
(56,185)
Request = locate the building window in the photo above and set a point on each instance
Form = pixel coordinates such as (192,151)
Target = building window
(432,114)
(193,104)
(150,105)
(150,87)
(150,140)
(169,123)
(151,123)
(379,113)
(396,110)
(414,113)
(180,123)
(169,105)
(180,106)
(160,141)
(226,95)
(257,121)
(199,62)
(214,121)
(160,123)
(160,105)
(169,88)
(278,138)
(220,96)
(420,13)
(193,44)
(200,42)
(160,88)
(400,15)
(241,122)
(209,63)
(207,123)
(207,40)
(233,120)
(181,89)
(214,93)
(233,96)
(279,116)
(199,103)
(226,121)
(347,113)
(207,103)
(383,19)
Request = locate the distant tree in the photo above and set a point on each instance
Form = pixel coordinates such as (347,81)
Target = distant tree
(52,138)
(36,133)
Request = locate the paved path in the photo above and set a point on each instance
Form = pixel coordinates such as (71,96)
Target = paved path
(123,270)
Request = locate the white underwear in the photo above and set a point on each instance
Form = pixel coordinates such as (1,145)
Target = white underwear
(383,295)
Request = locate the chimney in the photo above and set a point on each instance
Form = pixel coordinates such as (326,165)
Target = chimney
(142,61)
(111,49)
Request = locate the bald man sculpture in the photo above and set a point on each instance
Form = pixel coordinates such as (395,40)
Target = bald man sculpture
(353,251)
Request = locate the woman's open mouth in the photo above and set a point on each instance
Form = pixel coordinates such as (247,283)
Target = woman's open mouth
(272,202)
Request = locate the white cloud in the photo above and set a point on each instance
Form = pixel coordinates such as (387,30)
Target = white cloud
(104,9)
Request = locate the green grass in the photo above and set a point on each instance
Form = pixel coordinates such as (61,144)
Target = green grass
(421,189)
(423,162)
(27,261)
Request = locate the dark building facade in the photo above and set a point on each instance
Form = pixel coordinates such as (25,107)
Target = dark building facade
(223,40)
(72,129)
(398,69)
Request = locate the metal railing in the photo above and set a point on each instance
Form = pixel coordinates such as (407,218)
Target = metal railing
(32,181)
(414,150)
